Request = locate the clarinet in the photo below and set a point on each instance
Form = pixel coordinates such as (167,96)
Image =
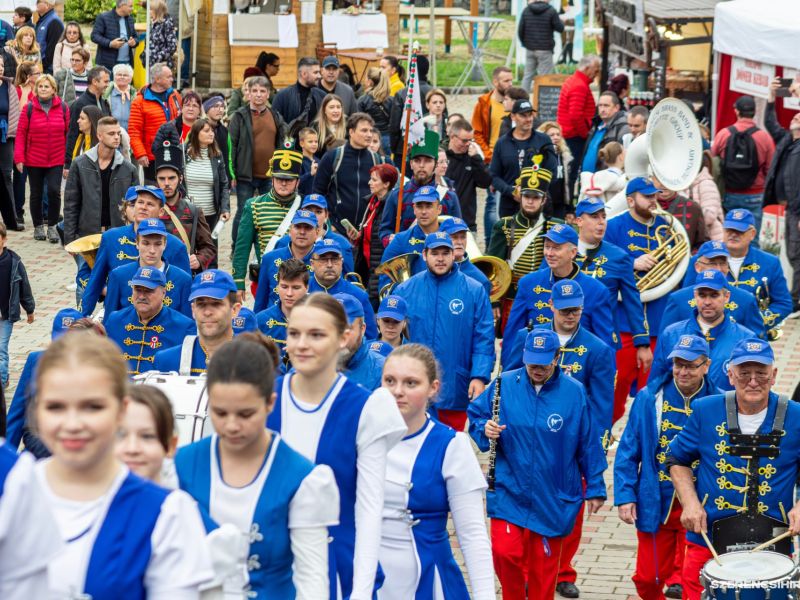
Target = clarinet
(490,478)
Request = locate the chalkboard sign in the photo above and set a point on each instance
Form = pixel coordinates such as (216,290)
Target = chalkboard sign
(546,91)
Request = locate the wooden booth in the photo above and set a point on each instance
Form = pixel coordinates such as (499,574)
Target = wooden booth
(230,40)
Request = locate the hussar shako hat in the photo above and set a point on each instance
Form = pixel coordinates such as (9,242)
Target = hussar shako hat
(169,156)
(286,163)
(535,176)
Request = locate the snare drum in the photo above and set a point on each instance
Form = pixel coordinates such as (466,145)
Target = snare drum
(189,399)
(750,576)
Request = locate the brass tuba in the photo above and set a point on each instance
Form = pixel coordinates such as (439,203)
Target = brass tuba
(397,269)
(496,270)
(86,246)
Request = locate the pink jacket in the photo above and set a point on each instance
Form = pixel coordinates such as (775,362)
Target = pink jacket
(42,139)
(704,191)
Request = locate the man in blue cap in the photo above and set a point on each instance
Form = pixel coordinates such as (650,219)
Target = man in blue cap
(546,446)
(214,306)
(451,314)
(746,447)
(151,240)
(357,361)
(392,314)
(533,295)
(118,245)
(458,228)
(742,306)
(753,270)
(147,326)
(710,320)
(326,266)
(643,490)
(300,243)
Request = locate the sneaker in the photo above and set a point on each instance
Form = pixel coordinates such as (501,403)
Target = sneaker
(20,226)
(71,287)
(567,589)
(52,235)
(674,591)
(38,233)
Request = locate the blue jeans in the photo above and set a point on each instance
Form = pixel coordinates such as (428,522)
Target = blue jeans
(244,191)
(490,214)
(6,327)
(752,202)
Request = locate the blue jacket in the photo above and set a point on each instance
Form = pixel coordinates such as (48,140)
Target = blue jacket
(272,323)
(16,426)
(345,287)
(470,270)
(589,360)
(756,266)
(405,242)
(452,316)
(721,339)
(720,475)
(267,292)
(117,248)
(48,29)
(365,367)
(532,302)
(507,157)
(548,445)
(344,244)
(170,359)
(613,267)
(640,471)
(450,206)
(742,308)
(118,288)
(383,348)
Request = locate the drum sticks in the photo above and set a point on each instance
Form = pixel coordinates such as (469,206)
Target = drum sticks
(710,547)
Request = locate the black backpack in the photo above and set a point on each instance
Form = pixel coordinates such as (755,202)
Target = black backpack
(740,163)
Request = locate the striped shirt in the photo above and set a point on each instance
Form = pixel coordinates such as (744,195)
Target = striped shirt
(199,178)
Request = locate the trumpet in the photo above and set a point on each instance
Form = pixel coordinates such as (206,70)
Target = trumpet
(86,246)
(764,299)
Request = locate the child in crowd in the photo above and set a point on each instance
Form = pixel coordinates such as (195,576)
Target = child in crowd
(309,143)
(15,290)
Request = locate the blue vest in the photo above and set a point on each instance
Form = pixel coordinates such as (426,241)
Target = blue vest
(41,29)
(119,295)
(170,359)
(267,292)
(270,559)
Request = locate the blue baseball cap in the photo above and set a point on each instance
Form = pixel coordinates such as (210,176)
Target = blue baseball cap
(453,225)
(212,283)
(713,249)
(739,219)
(541,346)
(562,234)
(130,194)
(752,350)
(152,227)
(327,246)
(244,321)
(351,305)
(148,189)
(63,320)
(711,279)
(304,217)
(589,206)
(393,307)
(149,277)
(642,185)
(315,200)
(566,293)
(427,193)
(438,239)
(690,347)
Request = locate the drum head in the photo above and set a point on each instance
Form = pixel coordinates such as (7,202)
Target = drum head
(749,566)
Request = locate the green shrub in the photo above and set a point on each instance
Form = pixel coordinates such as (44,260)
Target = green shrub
(85,11)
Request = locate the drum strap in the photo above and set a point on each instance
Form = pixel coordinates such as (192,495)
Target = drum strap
(185,368)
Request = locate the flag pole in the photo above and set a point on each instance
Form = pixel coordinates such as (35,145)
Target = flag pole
(412,66)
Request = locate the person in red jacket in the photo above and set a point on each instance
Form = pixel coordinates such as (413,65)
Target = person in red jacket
(576,109)
(153,106)
(40,146)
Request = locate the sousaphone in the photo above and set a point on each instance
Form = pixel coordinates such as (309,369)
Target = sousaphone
(86,246)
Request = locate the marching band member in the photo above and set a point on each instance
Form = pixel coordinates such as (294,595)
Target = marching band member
(146,326)
(301,239)
(392,314)
(248,476)
(450,313)
(458,228)
(739,500)
(28,536)
(357,361)
(709,320)
(533,295)
(431,473)
(214,306)
(753,270)
(118,245)
(634,232)
(333,421)
(151,239)
(658,413)
(265,219)
(326,263)
(293,279)
(544,414)
(244,321)
(121,532)
(742,306)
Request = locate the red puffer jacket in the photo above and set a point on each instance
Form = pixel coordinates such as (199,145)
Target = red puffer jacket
(42,138)
(576,107)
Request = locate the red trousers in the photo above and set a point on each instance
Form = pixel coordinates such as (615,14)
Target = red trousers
(523,557)
(457,419)
(628,373)
(659,558)
(693,562)
(566,572)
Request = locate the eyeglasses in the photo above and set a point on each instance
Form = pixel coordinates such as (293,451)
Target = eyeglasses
(443,162)
(568,312)
(688,367)
(747,376)
(329,260)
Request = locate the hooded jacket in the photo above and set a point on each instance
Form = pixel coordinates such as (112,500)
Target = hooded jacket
(537,24)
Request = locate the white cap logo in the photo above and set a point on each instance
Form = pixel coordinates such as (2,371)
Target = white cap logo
(538,342)
(754,347)
(206,277)
(686,341)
